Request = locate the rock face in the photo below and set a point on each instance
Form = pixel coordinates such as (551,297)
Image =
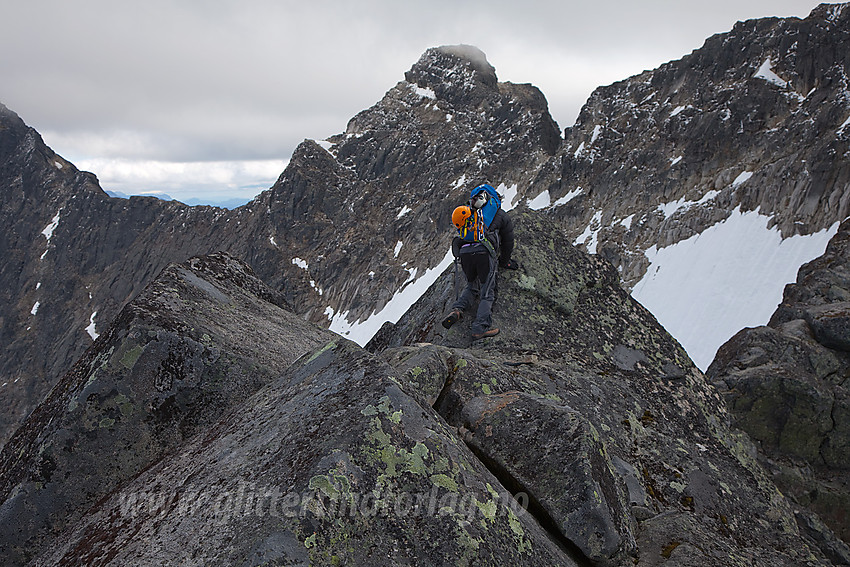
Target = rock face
(755,118)
(580,435)
(397,172)
(787,386)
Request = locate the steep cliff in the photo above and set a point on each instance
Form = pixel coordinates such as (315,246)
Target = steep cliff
(742,145)
(756,118)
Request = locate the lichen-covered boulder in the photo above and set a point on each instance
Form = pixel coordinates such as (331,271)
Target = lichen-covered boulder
(330,464)
(552,452)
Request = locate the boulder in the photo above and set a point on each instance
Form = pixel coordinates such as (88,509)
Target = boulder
(786,384)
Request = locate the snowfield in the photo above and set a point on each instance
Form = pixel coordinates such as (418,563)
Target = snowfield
(708,287)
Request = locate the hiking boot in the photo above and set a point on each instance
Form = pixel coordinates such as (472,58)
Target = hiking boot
(485,334)
(452,318)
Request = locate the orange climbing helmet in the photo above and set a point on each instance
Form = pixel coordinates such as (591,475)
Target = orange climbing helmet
(460,216)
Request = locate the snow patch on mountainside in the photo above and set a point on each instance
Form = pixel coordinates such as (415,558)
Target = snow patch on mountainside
(766,72)
(48,231)
(541,201)
(671,208)
(407,295)
(568,197)
(590,236)
(91,327)
(708,287)
(509,195)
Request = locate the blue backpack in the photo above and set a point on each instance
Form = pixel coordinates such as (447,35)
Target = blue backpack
(484,203)
(492,204)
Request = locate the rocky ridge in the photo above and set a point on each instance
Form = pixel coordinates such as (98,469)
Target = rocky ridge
(753,119)
(193,345)
(320,239)
(416,453)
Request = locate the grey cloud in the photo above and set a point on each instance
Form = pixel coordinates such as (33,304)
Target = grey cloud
(227,80)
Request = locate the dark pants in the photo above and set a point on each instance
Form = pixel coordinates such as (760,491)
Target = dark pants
(480,271)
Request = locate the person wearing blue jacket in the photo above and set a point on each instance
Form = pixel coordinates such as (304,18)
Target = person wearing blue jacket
(485,241)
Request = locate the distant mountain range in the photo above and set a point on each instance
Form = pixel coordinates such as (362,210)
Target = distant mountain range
(223,204)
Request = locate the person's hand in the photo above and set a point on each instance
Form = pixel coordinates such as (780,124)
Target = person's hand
(509,265)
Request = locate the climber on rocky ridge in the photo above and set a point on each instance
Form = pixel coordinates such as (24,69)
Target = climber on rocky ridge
(485,241)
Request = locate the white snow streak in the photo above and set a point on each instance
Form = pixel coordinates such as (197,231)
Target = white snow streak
(596,131)
(90,329)
(508,196)
(48,230)
(705,289)
(35,307)
(406,296)
(568,197)
(843,126)
(541,201)
(742,178)
(404,210)
(300,263)
(398,246)
(590,236)
(766,72)
(579,150)
(669,209)
(424,92)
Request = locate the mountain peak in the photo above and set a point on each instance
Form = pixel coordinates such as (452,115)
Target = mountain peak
(459,73)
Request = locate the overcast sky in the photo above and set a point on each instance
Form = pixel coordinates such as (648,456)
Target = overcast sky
(209,98)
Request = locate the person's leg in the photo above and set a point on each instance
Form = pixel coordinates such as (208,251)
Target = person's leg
(470,266)
(487,294)
(469,294)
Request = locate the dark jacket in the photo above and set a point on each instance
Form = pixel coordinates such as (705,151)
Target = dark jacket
(503,226)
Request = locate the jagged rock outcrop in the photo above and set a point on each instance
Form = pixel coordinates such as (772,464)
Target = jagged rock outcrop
(397,172)
(787,386)
(239,459)
(417,454)
(196,343)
